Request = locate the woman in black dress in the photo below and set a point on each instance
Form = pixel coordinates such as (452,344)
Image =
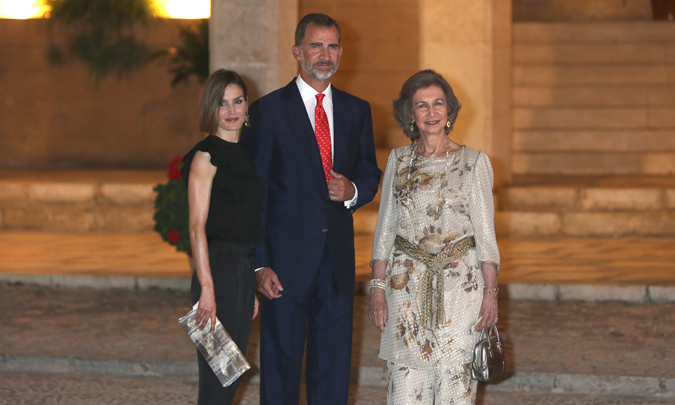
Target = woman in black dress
(225,198)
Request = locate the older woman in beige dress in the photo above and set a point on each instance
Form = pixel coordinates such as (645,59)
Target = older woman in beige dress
(435,256)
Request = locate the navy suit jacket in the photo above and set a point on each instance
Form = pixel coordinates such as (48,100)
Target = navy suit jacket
(298,218)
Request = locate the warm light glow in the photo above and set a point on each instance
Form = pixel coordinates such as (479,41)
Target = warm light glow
(184,8)
(22,9)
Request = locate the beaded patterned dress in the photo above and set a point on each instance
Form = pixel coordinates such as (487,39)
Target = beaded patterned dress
(435,205)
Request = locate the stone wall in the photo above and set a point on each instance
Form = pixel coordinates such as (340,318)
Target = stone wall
(58,117)
(254,37)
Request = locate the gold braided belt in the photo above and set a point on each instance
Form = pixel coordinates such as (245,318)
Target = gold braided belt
(435,265)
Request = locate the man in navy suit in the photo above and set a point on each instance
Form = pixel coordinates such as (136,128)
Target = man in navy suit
(316,157)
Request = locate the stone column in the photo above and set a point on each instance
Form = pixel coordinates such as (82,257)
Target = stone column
(254,38)
(469,43)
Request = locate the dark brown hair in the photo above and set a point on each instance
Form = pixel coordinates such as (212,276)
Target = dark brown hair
(403,107)
(318,19)
(212,94)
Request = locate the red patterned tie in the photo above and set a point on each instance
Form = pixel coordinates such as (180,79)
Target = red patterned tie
(322,132)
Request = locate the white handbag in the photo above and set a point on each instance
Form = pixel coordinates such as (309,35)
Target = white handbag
(218,348)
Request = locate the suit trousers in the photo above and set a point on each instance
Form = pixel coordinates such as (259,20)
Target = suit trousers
(234,287)
(321,317)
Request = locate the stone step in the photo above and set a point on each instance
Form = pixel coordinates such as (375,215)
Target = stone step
(77,218)
(635,118)
(613,140)
(571,198)
(127,187)
(638,74)
(77,201)
(593,163)
(111,218)
(105,218)
(594,32)
(535,221)
(594,98)
(585,224)
(99,200)
(605,95)
(109,202)
(593,53)
(588,206)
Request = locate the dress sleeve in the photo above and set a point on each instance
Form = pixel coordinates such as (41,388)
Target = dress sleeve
(387,217)
(205,145)
(482,211)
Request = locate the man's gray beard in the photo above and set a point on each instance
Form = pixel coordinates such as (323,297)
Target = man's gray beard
(317,75)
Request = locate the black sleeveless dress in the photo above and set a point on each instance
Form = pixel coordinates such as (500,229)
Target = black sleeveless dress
(232,231)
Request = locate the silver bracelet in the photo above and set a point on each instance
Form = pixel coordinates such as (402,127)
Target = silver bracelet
(378,283)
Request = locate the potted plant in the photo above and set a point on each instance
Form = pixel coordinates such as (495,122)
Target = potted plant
(191,56)
(171,209)
(101,33)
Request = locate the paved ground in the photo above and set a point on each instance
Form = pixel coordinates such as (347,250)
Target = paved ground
(78,346)
(89,390)
(119,342)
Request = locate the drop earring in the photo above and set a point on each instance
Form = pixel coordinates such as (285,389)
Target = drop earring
(412,127)
(246,121)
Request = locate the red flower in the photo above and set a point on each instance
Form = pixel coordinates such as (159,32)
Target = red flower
(174,169)
(173,236)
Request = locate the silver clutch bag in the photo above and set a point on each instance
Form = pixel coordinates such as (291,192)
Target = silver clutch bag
(218,348)
(488,356)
